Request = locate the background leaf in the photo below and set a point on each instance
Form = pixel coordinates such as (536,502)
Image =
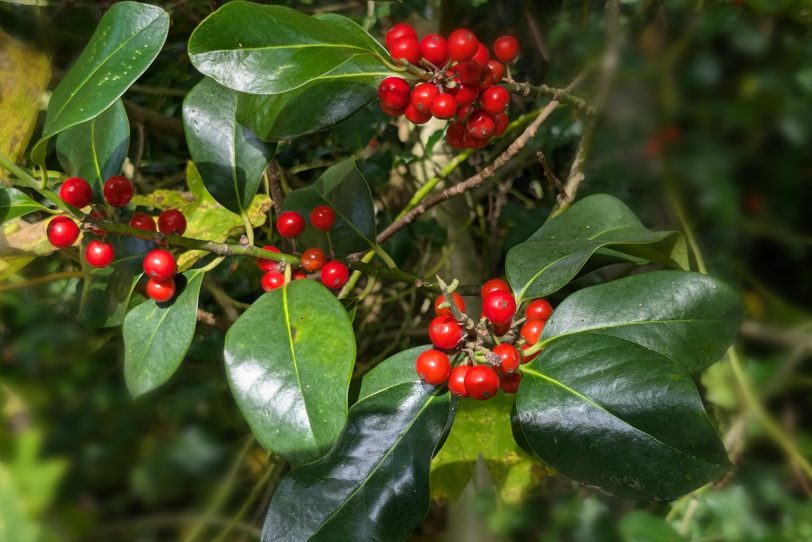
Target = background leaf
(15,525)
(14,204)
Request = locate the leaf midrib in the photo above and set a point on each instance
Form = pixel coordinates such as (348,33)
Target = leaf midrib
(286,312)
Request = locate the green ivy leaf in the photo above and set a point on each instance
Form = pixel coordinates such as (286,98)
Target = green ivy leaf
(555,253)
(289,358)
(158,335)
(228,156)
(14,204)
(374,483)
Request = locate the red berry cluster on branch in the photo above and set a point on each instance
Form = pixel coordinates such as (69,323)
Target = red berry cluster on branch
(460,357)
(459,83)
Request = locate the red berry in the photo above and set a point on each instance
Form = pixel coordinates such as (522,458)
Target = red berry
(464,95)
(414,115)
(268,265)
(480,124)
(323,217)
(501,329)
(313,259)
(456,381)
(423,96)
(62,232)
(118,191)
(392,112)
(481,56)
(481,382)
(493,285)
(433,367)
(474,142)
(406,49)
(525,357)
(76,192)
(444,106)
(393,93)
(159,264)
(531,331)
(161,291)
(290,224)
(510,382)
(400,30)
(462,115)
(509,357)
(434,48)
(539,309)
(334,274)
(455,135)
(445,333)
(143,222)
(172,222)
(299,275)
(272,280)
(506,49)
(99,254)
(499,307)
(494,99)
(457,299)
(501,122)
(469,72)
(462,45)
(497,69)
(486,79)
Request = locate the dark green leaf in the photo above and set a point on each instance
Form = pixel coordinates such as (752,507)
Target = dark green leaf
(289,358)
(554,254)
(14,204)
(374,483)
(609,413)
(157,335)
(228,155)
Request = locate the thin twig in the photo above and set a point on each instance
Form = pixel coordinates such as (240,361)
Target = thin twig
(558,94)
(548,172)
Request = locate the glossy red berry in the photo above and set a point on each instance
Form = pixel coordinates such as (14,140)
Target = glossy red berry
(444,106)
(393,93)
(539,309)
(462,45)
(406,49)
(423,96)
(456,380)
(499,307)
(433,367)
(392,112)
(509,357)
(501,122)
(480,124)
(455,135)
(415,115)
(118,191)
(481,56)
(323,217)
(434,48)
(531,331)
(510,382)
(143,222)
(268,265)
(457,299)
(493,285)
(506,49)
(445,333)
(159,264)
(313,259)
(290,224)
(99,254)
(465,95)
(486,79)
(62,232)
(400,30)
(272,280)
(494,99)
(474,142)
(469,72)
(481,382)
(172,222)
(497,70)
(334,274)
(76,192)
(161,291)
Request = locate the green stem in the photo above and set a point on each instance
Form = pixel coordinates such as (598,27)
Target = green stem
(27,181)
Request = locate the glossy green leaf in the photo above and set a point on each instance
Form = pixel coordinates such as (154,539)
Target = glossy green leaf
(289,358)
(262,49)
(95,149)
(158,335)
(14,204)
(686,317)
(610,413)
(555,253)
(374,483)
(228,156)
(343,188)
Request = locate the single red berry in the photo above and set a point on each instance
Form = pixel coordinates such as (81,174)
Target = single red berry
(462,115)
(480,124)
(494,99)
(272,280)
(391,112)
(268,265)
(456,380)
(406,49)
(476,143)
(433,367)
(509,357)
(400,30)
(161,290)
(531,331)
(499,307)
(493,285)
(290,224)
(481,382)
(464,95)
(469,72)
(501,329)
(118,191)
(457,299)
(486,79)
(444,106)
(99,254)
(434,48)
(423,96)
(299,274)
(462,45)
(455,135)
(172,222)
(497,69)
(501,122)
(159,264)
(393,93)
(445,333)
(334,274)
(313,259)
(323,217)
(506,49)
(539,309)
(481,56)
(143,222)
(510,382)
(62,232)
(76,192)
(528,358)
(415,115)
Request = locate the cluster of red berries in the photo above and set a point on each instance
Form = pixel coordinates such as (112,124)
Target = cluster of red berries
(459,83)
(290,225)
(479,372)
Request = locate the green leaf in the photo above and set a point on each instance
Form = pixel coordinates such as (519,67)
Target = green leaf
(260,49)
(95,149)
(343,188)
(14,204)
(15,525)
(554,254)
(126,41)
(374,483)
(289,358)
(640,526)
(610,413)
(158,335)
(686,317)
(228,156)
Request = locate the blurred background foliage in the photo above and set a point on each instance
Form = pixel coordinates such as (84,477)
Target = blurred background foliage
(711,116)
